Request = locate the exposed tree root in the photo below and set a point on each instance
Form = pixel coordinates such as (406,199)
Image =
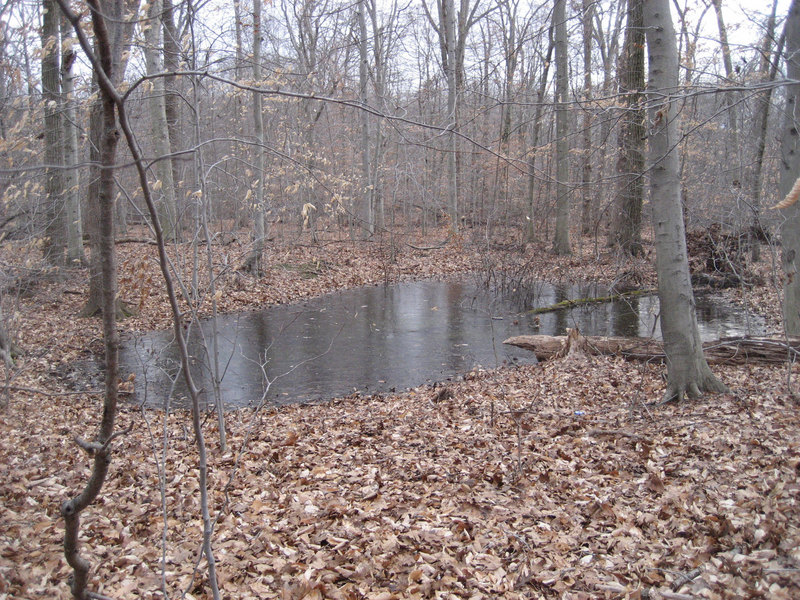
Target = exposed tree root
(678,392)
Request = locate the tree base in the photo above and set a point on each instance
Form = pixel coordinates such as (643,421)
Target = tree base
(708,382)
(93,309)
(253,264)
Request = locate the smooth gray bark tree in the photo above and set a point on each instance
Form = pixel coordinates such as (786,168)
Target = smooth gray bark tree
(452,28)
(767,71)
(789,174)
(72,200)
(255,260)
(367,207)
(158,120)
(447,24)
(587,210)
(730,76)
(120,33)
(561,243)
(172,98)
(688,373)
(385,37)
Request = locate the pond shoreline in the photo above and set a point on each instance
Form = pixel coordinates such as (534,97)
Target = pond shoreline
(382,338)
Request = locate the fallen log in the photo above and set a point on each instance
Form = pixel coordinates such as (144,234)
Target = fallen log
(734,350)
(584,301)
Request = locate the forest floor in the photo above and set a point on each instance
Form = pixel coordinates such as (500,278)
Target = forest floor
(559,480)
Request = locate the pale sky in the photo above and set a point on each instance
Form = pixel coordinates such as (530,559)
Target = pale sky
(739,16)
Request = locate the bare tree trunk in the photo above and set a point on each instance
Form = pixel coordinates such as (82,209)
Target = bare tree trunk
(630,189)
(452,28)
(448,23)
(56,234)
(172,97)
(119,33)
(6,346)
(730,100)
(537,126)
(687,369)
(767,72)
(368,208)
(91,220)
(687,61)
(561,243)
(254,261)
(789,174)
(608,44)
(158,121)
(384,37)
(237,16)
(507,15)
(72,202)
(587,213)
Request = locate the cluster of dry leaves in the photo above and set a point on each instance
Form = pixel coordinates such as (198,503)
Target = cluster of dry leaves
(556,480)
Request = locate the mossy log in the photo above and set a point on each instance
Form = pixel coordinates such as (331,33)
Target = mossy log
(584,301)
(735,350)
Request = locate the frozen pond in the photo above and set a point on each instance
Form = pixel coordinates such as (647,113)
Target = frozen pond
(385,338)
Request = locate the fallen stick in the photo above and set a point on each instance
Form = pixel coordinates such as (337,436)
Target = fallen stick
(436,247)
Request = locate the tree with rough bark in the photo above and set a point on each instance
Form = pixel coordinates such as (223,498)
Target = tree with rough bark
(627,234)
(56,241)
(688,373)
(120,15)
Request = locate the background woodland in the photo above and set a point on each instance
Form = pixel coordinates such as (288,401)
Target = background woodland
(163,162)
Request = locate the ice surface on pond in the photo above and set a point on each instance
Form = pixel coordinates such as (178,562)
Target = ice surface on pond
(384,338)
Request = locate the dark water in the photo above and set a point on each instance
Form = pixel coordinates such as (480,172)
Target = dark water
(385,338)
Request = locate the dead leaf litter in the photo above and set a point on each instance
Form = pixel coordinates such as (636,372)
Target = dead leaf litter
(549,481)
